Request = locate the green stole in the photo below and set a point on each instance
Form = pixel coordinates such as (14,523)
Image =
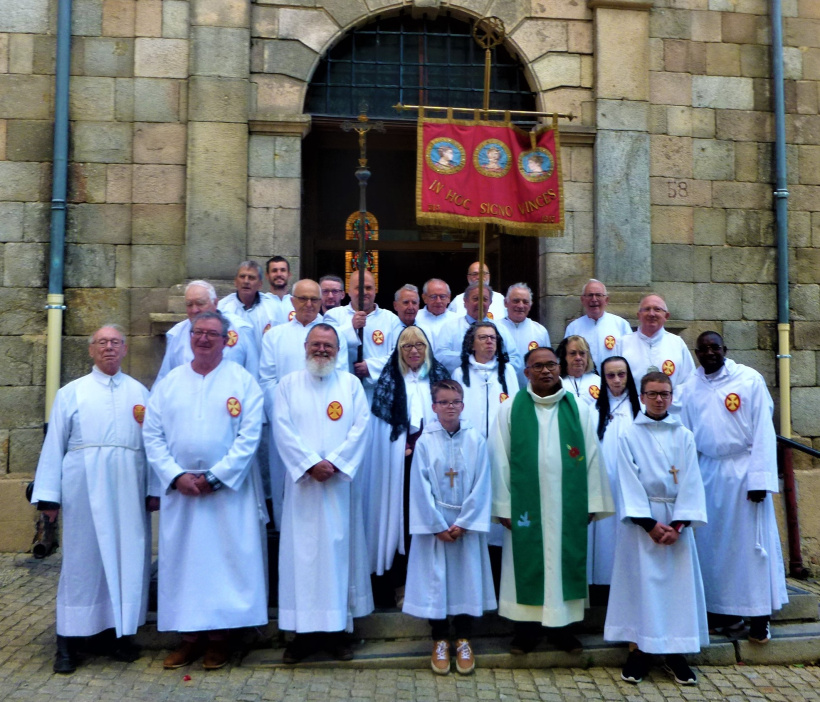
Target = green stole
(525,488)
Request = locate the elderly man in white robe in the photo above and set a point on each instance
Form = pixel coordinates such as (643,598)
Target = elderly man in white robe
(729,409)
(249,303)
(548,483)
(202,429)
(436,295)
(660,500)
(601,329)
(321,430)
(528,333)
(92,467)
(283,352)
(494,310)
(200,296)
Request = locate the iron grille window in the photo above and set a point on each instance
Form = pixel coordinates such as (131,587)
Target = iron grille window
(413,61)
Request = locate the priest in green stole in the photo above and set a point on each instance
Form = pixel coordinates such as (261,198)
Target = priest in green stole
(548,483)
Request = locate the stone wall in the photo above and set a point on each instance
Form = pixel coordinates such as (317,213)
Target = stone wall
(187,120)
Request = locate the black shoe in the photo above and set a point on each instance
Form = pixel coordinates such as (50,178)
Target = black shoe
(65,660)
(677,666)
(759,632)
(522,644)
(636,668)
(125,650)
(563,640)
(298,649)
(342,649)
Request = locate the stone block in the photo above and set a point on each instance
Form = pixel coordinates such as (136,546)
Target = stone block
(536,37)
(717,301)
(738,335)
(261,232)
(23,311)
(670,156)
(582,165)
(703,123)
(175,19)
(679,299)
(24,449)
(803,368)
(44,48)
(275,96)
(145,358)
(312,27)
(122,266)
(102,142)
(265,20)
(559,10)
(739,125)
(160,185)
(274,192)
(625,115)
(158,224)
(738,28)
(86,18)
(92,98)
(26,265)
(31,17)
(143,302)
(155,266)
(672,191)
(4,53)
(741,195)
(668,23)
(90,308)
(809,164)
(801,32)
(261,149)
(804,197)
(346,12)
(568,272)
(799,229)
(803,129)
(118,184)
(99,224)
(20,181)
(124,99)
(806,266)
(11,221)
(86,182)
(89,265)
(288,57)
(658,119)
(744,265)
(156,100)
(579,37)
(160,58)
(676,56)
(21,53)
(219,51)
(148,22)
(713,160)
(621,54)
(805,417)
(220,13)
(709,226)
(679,120)
(673,262)
(808,8)
(159,143)
(558,70)
(754,61)
(218,99)
(670,88)
(656,55)
(108,56)
(29,140)
(17,517)
(25,97)
(811,64)
(706,26)
(808,101)
(288,157)
(118,18)
(672,225)
(722,92)
(723,59)
(577,197)
(21,407)
(36,221)
(745,161)
(759,302)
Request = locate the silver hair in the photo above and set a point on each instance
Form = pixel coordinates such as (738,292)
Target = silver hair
(473,286)
(202,284)
(523,286)
(435,280)
(593,280)
(251,264)
(409,287)
(116,327)
(223,320)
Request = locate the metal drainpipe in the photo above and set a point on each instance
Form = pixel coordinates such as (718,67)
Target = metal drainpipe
(55,301)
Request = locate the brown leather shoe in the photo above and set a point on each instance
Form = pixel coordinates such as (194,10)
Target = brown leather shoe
(186,654)
(216,655)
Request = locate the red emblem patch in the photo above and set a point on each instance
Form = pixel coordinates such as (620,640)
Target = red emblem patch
(378,338)
(594,390)
(266,329)
(609,342)
(233,337)
(335,410)
(234,407)
(532,345)
(503,396)
(139,413)
(668,367)
(732,402)
(490,315)
(291,315)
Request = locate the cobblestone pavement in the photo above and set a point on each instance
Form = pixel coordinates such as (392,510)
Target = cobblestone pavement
(27,590)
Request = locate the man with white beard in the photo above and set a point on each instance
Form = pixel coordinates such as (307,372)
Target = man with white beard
(321,430)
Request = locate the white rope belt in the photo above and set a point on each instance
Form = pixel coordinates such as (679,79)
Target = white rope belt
(88,446)
(444,504)
(667,500)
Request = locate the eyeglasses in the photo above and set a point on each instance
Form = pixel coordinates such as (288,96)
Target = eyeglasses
(113,343)
(714,348)
(652,394)
(657,310)
(209,334)
(448,403)
(333,292)
(597,296)
(301,298)
(418,345)
(538,367)
(475,275)
(486,337)
(619,374)
(432,296)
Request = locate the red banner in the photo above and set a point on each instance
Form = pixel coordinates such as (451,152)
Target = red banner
(472,172)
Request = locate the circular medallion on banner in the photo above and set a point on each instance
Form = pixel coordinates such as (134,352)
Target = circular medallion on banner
(233,337)
(139,413)
(266,329)
(594,390)
(668,367)
(732,402)
(234,407)
(492,158)
(503,396)
(532,345)
(291,315)
(536,164)
(445,155)
(609,342)
(335,410)
(378,338)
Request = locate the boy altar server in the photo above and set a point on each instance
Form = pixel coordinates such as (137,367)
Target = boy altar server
(656,599)
(448,572)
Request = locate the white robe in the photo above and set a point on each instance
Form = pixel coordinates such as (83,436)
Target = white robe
(283,307)
(383,485)
(497,310)
(602,534)
(451,337)
(323,571)
(601,334)
(739,550)
(656,598)
(243,350)
(283,351)
(664,352)
(528,335)
(586,388)
(449,578)
(556,612)
(212,550)
(93,465)
(431,323)
(263,316)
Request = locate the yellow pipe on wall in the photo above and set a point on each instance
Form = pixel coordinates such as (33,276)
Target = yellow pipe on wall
(54,348)
(784,368)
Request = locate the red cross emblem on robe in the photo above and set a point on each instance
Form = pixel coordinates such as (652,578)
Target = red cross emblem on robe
(732,402)
(233,337)
(532,345)
(594,390)
(609,342)
(378,338)
(234,407)
(266,329)
(503,396)
(335,410)
(139,413)
(489,315)
(668,367)
(291,315)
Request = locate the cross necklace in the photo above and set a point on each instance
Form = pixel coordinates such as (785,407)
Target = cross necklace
(452,475)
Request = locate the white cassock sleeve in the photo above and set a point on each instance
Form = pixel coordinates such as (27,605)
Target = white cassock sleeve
(762,472)
(268,375)
(633,502)
(499,451)
(156,447)
(48,479)
(690,504)
(475,509)
(425,517)
(349,455)
(234,466)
